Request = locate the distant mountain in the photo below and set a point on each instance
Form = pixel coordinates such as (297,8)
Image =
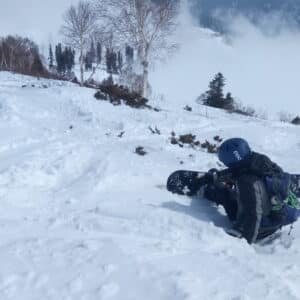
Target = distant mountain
(209,11)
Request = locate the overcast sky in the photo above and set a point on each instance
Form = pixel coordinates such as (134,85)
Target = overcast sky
(37,19)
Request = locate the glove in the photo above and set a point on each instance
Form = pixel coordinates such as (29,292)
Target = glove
(211,176)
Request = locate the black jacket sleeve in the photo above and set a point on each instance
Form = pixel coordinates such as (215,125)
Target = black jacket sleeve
(261,165)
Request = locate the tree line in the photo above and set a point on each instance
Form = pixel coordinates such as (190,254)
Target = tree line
(62,60)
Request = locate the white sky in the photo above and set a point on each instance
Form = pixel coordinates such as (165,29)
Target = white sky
(36,19)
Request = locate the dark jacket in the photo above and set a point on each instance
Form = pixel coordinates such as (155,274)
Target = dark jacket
(259,165)
(253,195)
(276,180)
(259,182)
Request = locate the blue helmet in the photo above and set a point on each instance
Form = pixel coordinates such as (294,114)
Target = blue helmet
(233,152)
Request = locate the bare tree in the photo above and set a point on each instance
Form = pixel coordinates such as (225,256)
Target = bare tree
(146,25)
(79,26)
(21,55)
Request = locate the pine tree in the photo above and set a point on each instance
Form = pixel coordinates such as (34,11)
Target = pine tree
(229,102)
(59,59)
(129,53)
(108,61)
(120,62)
(73,58)
(50,57)
(92,52)
(99,53)
(114,62)
(69,59)
(37,67)
(88,62)
(215,96)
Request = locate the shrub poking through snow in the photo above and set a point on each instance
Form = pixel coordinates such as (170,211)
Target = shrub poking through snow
(155,130)
(101,96)
(243,110)
(187,108)
(118,94)
(218,139)
(190,140)
(121,134)
(296,121)
(211,148)
(140,151)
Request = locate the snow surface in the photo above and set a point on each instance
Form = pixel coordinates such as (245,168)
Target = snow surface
(84,217)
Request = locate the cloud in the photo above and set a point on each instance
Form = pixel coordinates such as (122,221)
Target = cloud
(262,70)
(36,19)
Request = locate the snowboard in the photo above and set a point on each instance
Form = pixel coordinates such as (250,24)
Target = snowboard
(185,182)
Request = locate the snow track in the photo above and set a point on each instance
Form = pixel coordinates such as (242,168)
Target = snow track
(83,217)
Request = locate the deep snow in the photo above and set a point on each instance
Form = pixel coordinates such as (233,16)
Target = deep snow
(84,217)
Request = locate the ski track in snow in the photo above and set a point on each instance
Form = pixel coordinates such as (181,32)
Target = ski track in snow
(83,217)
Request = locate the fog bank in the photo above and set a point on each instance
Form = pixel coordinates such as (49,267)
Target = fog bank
(261,70)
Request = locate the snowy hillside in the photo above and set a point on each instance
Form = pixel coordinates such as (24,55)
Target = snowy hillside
(84,217)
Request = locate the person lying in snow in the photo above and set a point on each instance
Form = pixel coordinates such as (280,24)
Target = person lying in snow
(259,200)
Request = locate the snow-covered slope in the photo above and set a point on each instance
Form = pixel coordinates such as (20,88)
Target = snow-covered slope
(84,217)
